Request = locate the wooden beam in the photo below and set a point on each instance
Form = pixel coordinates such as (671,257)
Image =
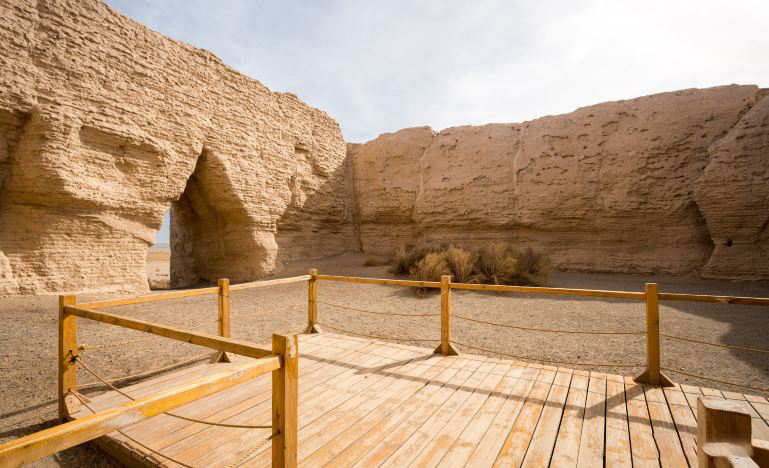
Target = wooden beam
(223,306)
(392,282)
(149,298)
(67,352)
(40,444)
(243,348)
(285,388)
(268,283)
(653,375)
(312,303)
(715,299)
(557,291)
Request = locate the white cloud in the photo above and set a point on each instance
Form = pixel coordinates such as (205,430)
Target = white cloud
(381,66)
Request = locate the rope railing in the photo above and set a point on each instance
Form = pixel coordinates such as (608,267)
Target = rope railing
(710,343)
(141,375)
(550,361)
(696,376)
(368,311)
(546,330)
(98,377)
(378,337)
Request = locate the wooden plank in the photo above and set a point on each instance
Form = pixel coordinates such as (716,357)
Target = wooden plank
(556,291)
(392,282)
(566,450)
(642,444)
(716,299)
(242,399)
(685,421)
(617,430)
(380,442)
(489,446)
(148,298)
(67,368)
(268,283)
(241,347)
(411,448)
(517,442)
(55,439)
(373,391)
(434,451)
(191,448)
(591,444)
(668,442)
(543,442)
(353,442)
(468,440)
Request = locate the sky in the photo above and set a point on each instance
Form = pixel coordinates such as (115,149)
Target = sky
(379,66)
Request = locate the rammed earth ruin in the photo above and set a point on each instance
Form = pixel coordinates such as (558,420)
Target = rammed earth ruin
(105,124)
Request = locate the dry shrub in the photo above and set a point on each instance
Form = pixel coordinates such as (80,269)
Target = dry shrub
(533,267)
(430,268)
(461,264)
(497,263)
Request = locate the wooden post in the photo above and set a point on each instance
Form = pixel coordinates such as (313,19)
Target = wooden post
(67,352)
(445,347)
(312,303)
(653,375)
(724,434)
(224,317)
(285,388)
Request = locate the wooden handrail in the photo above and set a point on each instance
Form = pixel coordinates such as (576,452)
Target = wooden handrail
(715,299)
(150,298)
(49,441)
(559,291)
(267,283)
(394,282)
(218,343)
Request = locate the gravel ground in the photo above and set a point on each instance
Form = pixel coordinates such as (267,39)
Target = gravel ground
(28,333)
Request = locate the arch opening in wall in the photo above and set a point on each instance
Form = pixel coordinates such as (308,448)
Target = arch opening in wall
(211,233)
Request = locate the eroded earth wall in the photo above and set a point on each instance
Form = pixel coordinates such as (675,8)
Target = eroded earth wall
(104,124)
(672,183)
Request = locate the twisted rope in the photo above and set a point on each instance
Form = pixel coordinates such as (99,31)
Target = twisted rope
(760,389)
(145,446)
(262,312)
(373,336)
(526,358)
(202,421)
(149,372)
(377,312)
(114,344)
(545,329)
(251,452)
(709,343)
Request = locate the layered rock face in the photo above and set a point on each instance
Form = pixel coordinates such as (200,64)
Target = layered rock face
(643,185)
(105,124)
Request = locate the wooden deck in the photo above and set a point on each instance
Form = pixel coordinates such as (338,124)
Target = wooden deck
(369,403)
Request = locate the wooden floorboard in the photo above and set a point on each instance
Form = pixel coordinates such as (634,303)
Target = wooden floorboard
(369,403)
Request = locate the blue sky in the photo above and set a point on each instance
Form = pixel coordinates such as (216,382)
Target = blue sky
(378,66)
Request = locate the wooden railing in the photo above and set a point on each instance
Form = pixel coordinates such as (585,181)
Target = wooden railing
(281,360)
(653,373)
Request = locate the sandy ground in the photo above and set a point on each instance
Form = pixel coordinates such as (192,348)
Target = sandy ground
(28,332)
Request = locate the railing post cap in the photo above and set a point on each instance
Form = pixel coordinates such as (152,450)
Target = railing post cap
(446,278)
(223,281)
(313,271)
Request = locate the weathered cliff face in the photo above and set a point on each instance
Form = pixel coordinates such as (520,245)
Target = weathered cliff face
(105,124)
(610,187)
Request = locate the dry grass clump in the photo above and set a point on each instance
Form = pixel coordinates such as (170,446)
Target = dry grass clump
(497,263)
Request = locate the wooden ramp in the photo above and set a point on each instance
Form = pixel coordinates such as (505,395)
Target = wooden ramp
(370,403)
